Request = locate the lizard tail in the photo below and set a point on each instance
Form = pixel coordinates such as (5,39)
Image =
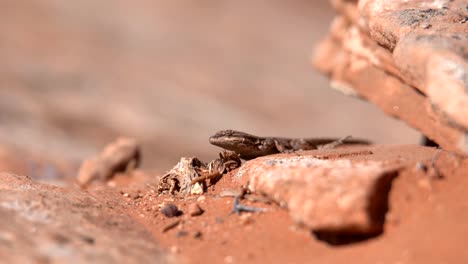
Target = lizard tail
(334,144)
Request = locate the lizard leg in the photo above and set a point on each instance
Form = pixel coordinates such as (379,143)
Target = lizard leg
(282,148)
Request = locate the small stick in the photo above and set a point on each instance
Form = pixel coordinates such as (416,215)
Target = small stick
(205,177)
(171,226)
(239,208)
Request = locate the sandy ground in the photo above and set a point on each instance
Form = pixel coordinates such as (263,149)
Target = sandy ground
(425,224)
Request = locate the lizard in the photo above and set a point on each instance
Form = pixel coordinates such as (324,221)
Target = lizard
(249,146)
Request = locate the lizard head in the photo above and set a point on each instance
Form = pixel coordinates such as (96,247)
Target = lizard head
(240,142)
(226,138)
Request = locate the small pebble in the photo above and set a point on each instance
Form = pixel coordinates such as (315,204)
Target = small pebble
(426,25)
(246,219)
(181,233)
(175,250)
(197,188)
(421,166)
(198,235)
(195,210)
(88,239)
(111,184)
(228,259)
(170,210)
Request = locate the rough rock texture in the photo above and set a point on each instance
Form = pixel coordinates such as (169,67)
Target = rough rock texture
(45,224)
(333,192)
(407,57)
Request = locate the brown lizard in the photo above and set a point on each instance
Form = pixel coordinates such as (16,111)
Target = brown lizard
(249,146)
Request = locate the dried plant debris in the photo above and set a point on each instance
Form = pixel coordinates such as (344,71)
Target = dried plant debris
(123,155)
(191,173)
(239,208)
(180,177)
(226,162)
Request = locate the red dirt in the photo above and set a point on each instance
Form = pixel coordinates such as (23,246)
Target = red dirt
(426,224)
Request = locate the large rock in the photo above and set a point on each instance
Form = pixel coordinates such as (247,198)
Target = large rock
(341,191)
(407,57)
(121,155)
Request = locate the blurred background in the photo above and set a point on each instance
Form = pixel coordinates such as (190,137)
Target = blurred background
(76,74)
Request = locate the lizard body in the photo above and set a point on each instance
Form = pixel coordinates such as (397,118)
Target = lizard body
(249,146)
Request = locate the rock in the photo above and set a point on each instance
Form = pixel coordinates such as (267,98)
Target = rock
(246,219)
(170,210)
(407,57)
(331,193)
(119,156)
(181,233)
(175,250)
(195,210)
(197,189)
(201,199)
(198,235)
